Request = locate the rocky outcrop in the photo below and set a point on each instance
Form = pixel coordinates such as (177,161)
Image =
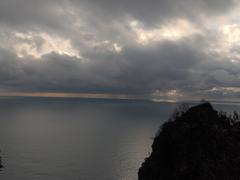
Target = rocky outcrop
(199,144)
(1,166)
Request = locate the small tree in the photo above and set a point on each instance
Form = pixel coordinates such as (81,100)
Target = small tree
(179,111)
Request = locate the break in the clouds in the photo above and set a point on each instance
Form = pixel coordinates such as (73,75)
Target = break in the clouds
(157,49)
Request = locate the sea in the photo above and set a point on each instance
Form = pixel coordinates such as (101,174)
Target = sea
(79,139)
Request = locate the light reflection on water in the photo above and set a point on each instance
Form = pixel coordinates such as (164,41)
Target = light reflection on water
(76,139)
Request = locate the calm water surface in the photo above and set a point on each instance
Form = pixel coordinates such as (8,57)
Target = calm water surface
(77,139)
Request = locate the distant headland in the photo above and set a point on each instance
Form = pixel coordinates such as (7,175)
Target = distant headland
(197,143)
(1,165)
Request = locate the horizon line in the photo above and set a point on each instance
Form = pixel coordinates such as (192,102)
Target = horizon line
(109,96)
(70,95)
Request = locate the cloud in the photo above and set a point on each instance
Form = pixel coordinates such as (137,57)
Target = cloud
(151,49)
(152,11)
(134,71)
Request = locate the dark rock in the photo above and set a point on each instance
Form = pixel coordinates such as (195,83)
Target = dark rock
(1,166)
(199,144)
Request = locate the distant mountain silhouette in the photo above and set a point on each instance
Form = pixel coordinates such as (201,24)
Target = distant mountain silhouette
(199,144)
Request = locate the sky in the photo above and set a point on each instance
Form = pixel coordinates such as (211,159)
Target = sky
(143,49)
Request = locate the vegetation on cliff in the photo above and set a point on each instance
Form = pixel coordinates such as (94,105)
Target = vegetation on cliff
(195,144)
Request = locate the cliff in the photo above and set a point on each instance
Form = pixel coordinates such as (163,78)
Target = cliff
(199,144)
(1,166)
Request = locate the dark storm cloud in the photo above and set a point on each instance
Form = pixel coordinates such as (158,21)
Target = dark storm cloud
(158,67)
(136,71)
(95,28)
(48,12)
(23,12)
(152,11)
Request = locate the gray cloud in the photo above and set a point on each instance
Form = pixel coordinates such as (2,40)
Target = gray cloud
(165,67)
(152,11)
(95,28)
(58,14)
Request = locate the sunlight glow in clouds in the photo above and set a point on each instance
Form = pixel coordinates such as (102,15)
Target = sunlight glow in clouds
(166,96)
(117,47)
(105,46)
(226,32)
(67,95)
(170,94)
(227,42)
(40,44)
(151,48)
(231,40)
(226,90)
(172,31)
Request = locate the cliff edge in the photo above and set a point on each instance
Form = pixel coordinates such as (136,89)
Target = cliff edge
(199,144)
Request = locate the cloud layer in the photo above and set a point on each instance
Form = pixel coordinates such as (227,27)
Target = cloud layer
(148,49)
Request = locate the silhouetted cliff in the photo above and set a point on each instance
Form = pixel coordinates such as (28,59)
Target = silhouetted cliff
(1,166)
(199,144)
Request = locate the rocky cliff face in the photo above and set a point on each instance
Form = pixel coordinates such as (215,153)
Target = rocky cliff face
(1,166)
(200,144)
